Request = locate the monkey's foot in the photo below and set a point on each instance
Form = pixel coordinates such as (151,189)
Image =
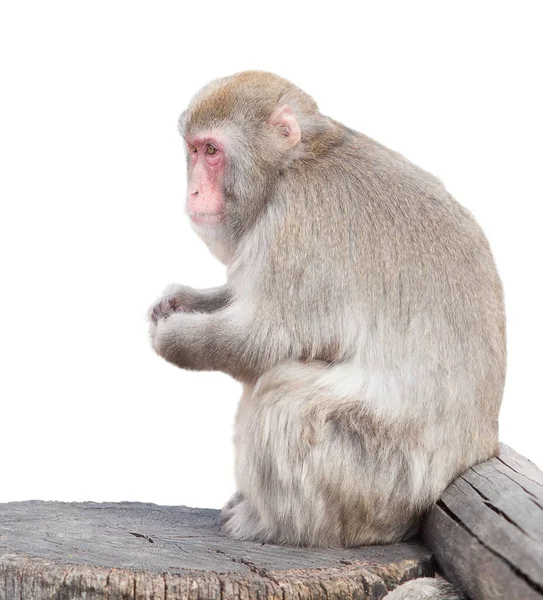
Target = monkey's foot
(236,498)
(240,521)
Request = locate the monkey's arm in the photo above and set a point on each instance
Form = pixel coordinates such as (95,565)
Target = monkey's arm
(229,340)
(183,298)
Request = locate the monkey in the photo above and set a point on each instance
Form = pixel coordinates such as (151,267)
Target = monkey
(362,313)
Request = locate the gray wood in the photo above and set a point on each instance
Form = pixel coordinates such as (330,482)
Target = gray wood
(53,550)
(486,532)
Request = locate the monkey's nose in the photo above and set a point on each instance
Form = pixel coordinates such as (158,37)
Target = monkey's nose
(195,193)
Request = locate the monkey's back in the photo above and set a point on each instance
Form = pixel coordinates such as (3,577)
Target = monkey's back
(377,267)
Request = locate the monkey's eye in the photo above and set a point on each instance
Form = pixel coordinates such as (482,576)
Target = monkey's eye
(192,148)
(211,150)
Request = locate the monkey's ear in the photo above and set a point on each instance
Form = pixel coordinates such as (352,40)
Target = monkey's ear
(181,123)
(284,121)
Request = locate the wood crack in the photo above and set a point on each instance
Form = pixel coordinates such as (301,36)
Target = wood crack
(488,503)
(142,535)
(532,584)
(521,474)
(515,481)
(261,571)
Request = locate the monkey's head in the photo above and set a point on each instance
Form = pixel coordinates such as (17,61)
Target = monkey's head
(242,132)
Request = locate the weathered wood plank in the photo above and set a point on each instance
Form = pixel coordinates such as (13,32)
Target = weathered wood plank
(486,532)
(523,466)
(143,551)
(467,563)
(519,508)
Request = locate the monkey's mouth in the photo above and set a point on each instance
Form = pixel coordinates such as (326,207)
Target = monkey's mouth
(206,218)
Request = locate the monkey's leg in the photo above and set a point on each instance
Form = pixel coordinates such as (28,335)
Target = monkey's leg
(315,468)
(241,414)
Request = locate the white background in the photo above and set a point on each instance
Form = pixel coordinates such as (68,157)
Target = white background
(92,225)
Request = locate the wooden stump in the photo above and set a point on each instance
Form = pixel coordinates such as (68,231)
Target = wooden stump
(486,532)
(53,550)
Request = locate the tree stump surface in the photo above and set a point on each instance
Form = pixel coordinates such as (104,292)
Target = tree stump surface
(486,532)
(91,551)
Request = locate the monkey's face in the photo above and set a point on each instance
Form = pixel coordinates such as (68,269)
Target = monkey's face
(205,204)
(239,139)
(230,173)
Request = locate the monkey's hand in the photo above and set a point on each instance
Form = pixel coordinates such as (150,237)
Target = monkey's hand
(176,298)
(183,298)
(175,333)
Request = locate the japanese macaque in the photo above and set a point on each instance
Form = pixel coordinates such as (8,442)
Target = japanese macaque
(362,313)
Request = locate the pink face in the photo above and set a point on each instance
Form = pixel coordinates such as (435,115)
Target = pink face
(205,201)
